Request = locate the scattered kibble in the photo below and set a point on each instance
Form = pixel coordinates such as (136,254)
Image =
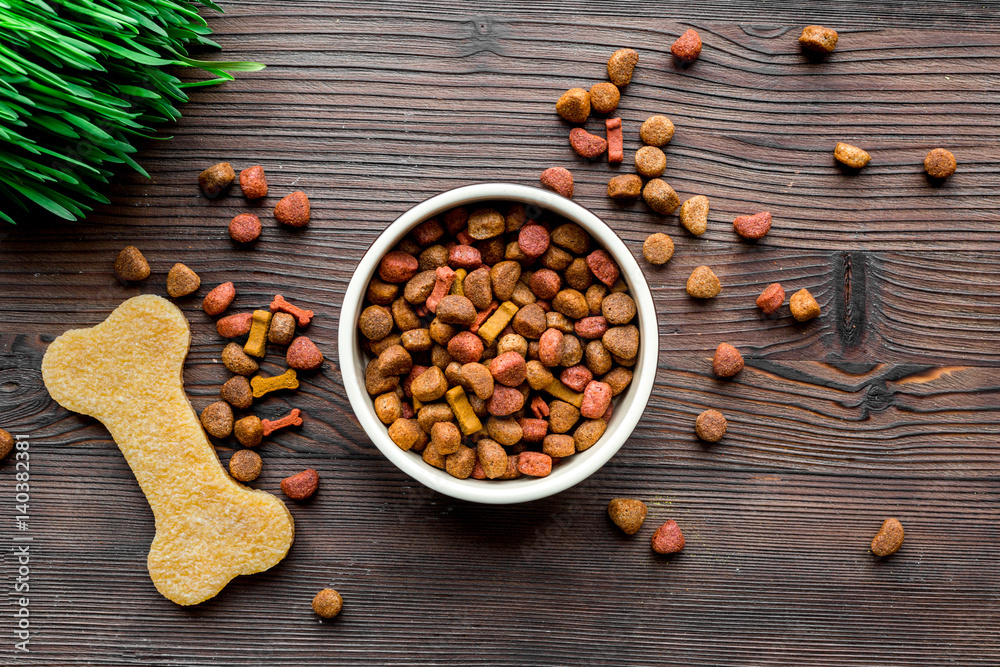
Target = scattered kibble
(585,144)
(687,48)
(650,161)
(889,538)
(771,298)
(668,538)
(302,485)
(940,163)
(237,392)
(218,300)
(616,152)
(327,603)
(710,426)
(621,64)
(216,179)
(234,326)
(660,197)
(6,444)
(658,248)
(245,465)
(245,228)
(818,39)
(249,431)
(754,226)
(301,315)
(282,329)
(130,265)
(303,355)
(852,156)
(628,514)
(182,281)
(574,105)
(694,215)
(703,283)
(256,343)
(559,180)
(293,210)
(604,97)
(727,361)
(265,385)
(656,131)
(269,426)
(253,183)
(804,305)
(625,186)
(217,419)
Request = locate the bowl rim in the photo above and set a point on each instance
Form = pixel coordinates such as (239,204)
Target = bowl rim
(627,413)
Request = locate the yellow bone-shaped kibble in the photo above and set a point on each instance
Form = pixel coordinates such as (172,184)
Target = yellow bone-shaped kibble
(495,324)
(126,372)
(257,340)
(263,385)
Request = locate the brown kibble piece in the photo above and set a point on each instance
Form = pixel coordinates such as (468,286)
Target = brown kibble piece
(940,163)
(245,228)
(388,407)
(618,308)
(302,485)
(492,457)
(131,265)
(771,298)
(398,267)
(559,180)
(574,105)
(621,65)
(818,39)
(650,161)
(694,215)
(327,603)
(660,196)
(656,131)
(216,179)
(703,283)
(668,538)
(237,392)
(182,281)
(249,431)
(889,538)
(485,223)
(217,419)
(245,465)
(658,248)
(604,97)
(293,210)
(253,183)
(454,309)
(303,355)
(430,385)
(586,144)
(754,226)
(850,155)
(282,329)
(375,322)
(406,433)
(445,437)
(804,305)
(460,463)
(710,426)
(219,299)
(687,48)
(628,514)
(625,186)
(727,361)
(6,444)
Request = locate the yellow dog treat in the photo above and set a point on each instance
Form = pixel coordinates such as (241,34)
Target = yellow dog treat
(257,340)
(466,416)
(564,393)
(126,372)
(262,385)
(458,285)
(492,327)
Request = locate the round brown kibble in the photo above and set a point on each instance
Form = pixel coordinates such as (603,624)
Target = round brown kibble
(574,105)
(282,329)
(694,215)
(245,228)
(710,426)
(628,514)
(182,281)
(727,361)
(889,538)
(249,431)
(375,322)
(621,64)
(660,196)
(818,39)
(327,603)
(6,444)
(804,306)
(217,419)
(650,161)
(253,182)
(658,248)
(703,283)
(940,163)
(216,179)
(245,465)
(618,308)
(293,210)
(604,97)
(237,392)
(237,361)
(445,438)
(852,156)
(625,186)
(656,131)
(131,265)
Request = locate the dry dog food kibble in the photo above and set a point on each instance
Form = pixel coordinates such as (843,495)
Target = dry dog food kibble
(216,179)
(465,354)
(586,144)
(753,226)
(889,538)
(703,283)
(771,298)
(940,163)
(656,131)
(852,156)
(302,485)
(303,355)
(818,39)
(626,186)
(182,281)
(574,105)
(6,443)
(219,299)
(253,183)
(293,210)
(327,603)
(668,538)
(710,426)
(658,248)
(217,419)
(604,97)
(694,214)
(616,153)
(804,305)
(131,265)
(557,179)
(727,361)
(237,392)
(650,161)
(687,48)
(621,65)
(249,431)
(660,196)
(245,228)
(245,465)
(234,326)
(628,514)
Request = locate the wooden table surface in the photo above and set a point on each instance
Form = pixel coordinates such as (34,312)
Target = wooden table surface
(884,406)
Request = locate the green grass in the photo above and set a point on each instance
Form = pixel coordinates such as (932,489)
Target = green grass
(80,80)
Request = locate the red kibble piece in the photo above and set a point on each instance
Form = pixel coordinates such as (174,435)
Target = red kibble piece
(428,232)
(465,347)
(445,277)
(509,368)
(545,283)
(302,316)
(727,361)
(463,238)
(483,315)
(576,377)
(668,538)
(397,267)
(586,144)
(558,179)
(245,228)
(303,355)
(253,183)
(596,399)
(464,257)
(771,298)
(234,326)
(534,464)
(302,485)
(687,47)
(478,472)
(533,430)
(293,210)
(753,226)
(504,401)
(616,152)
(591,327)
(539,407)
(533,240)
(218,299)
(293,418)
(603,267)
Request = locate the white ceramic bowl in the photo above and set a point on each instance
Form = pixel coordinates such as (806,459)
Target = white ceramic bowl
(629,406)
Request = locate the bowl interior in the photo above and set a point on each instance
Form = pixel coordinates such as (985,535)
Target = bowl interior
(628,406)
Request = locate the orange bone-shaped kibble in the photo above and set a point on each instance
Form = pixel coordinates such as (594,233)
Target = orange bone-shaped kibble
(262,385)
(303,316)
(291,419)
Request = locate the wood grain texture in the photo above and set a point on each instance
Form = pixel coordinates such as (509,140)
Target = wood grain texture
(886,405)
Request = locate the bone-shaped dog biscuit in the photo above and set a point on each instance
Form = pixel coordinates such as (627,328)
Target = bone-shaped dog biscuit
(127,373)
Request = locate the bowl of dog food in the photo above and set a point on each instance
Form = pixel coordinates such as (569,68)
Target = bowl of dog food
(498,343)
